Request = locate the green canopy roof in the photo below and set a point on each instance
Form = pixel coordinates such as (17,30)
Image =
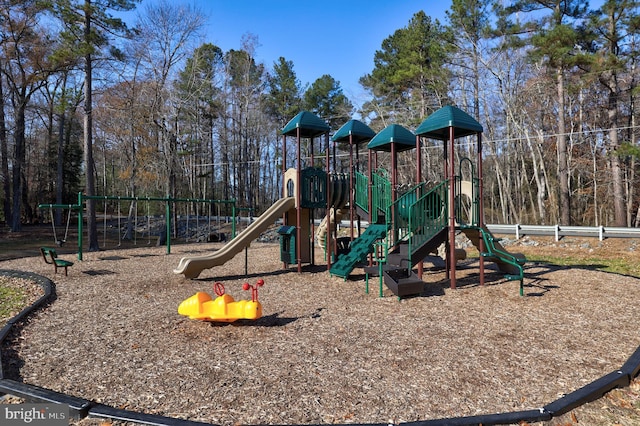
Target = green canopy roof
(310,125)
(358,131)
(437,125)
(393,134)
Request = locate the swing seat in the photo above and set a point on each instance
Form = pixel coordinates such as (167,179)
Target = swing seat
(51,257)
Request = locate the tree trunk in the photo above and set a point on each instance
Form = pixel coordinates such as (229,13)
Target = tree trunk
(563,166)
(90,187)
(4,155)
(632,139)
(616,170)
(18,164)
(60,166)
(539,178)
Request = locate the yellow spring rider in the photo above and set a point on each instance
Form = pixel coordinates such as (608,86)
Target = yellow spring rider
(224,308)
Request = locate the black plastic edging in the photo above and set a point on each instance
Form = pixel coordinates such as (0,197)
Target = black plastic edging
(48,288)
(106,412)
(515,417)
(588,393)
(100,411)
(632,366)
(4,332)
(82,408)
(78,407)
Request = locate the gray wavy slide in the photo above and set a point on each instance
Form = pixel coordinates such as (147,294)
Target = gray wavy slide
(191,267)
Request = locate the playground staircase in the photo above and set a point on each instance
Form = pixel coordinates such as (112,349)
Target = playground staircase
(419,220)
(405,257)
(398,274)
(359,250)
(511,264)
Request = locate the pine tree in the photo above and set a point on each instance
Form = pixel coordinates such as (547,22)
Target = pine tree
(326,99)
(409,79)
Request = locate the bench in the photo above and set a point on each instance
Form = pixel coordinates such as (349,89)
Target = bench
(51,257)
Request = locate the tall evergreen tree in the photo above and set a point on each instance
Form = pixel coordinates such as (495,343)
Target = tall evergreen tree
(409,78)
(247,88)
(283,97)
(199,88)
(282,102)
(326,99)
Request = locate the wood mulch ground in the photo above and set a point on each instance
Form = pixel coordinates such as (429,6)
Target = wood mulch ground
(325,351)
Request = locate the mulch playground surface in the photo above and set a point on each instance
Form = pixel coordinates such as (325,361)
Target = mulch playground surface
(325,351)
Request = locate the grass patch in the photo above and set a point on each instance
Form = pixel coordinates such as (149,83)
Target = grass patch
(12,300)
(617,265)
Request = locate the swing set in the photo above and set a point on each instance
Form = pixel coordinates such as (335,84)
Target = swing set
(168,215)
(68,207)
(120,233)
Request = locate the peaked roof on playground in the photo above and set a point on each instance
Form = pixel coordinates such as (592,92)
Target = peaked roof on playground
(403,138)
(437,125)
(354,131)
(310,125)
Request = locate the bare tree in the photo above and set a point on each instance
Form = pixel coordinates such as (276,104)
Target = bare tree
(26,53)
(166,34)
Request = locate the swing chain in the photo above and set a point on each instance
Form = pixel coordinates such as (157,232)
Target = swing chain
(59,243)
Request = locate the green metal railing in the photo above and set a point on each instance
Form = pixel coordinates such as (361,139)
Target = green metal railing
(400,211)
(380,194)
(418,215)
(362,191)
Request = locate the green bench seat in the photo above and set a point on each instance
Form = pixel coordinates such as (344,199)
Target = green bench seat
(51,257)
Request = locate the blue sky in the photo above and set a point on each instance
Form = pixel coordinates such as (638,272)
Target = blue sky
(336,37)
(320,37)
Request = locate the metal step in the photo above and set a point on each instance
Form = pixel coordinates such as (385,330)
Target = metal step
(403,282)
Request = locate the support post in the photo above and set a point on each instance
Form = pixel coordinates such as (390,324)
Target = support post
(329,241)
(298,207)
(168,224)
(480,207)
(452,214)
(419,194)
(80,219)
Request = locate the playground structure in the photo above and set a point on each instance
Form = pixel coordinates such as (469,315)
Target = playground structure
(618,378)
(167,218)
(191,267)
(223,308)
(403,228)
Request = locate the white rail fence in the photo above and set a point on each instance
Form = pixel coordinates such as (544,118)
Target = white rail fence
(556,231)
(559,231)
